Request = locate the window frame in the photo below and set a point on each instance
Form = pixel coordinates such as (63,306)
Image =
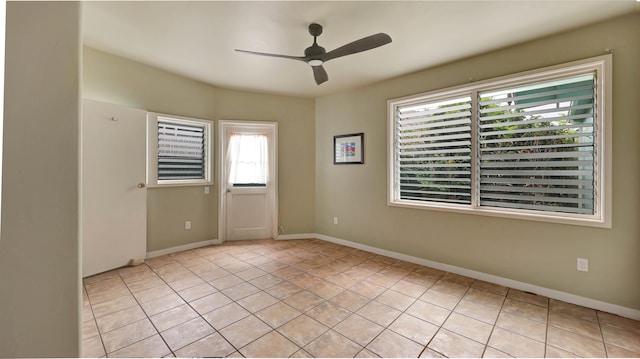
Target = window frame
(601,66)
(152,150)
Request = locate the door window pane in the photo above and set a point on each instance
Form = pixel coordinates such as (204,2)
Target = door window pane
(248,160)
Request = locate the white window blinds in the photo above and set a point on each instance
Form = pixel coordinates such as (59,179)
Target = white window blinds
(181,150)
(536,146)
(433,155)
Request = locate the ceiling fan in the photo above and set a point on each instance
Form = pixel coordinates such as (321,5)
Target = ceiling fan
(315,55)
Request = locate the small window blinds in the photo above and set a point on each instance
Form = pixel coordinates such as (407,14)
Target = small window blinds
(181,151)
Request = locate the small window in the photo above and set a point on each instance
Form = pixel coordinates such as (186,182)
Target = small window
(532,146)
(179,151)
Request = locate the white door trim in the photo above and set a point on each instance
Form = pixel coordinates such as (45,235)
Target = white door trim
(222,172)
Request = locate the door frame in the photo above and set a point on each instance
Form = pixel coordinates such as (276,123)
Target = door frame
(222,172)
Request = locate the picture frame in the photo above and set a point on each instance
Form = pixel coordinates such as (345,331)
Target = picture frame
(348,149)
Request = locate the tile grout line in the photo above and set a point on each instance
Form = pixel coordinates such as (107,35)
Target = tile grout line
(232,300)
(426,345)
(236,302)
(546,328)
(186,302)
(355,313)
(364,347)
(254,314)
(145,312)
(440,327)
(287,280)
(194,309)
(104,347)
(415,301)
(604,343)
(329,328)
(562,329)
(100,333)
(405,311)
(495,324)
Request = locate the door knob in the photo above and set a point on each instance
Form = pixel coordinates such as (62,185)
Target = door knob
(228,190)
(141,185)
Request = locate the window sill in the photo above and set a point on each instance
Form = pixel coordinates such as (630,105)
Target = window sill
(569,219)
(178,183)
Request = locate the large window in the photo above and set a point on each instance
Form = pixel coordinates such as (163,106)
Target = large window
(532,145)
(179,151)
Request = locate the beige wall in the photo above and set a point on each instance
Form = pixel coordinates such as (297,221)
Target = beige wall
(541,254)
(39,242)
(117,80)
(296,149)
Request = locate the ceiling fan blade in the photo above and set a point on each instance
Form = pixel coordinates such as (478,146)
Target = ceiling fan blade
(300,58)
(364,44)
(320,74)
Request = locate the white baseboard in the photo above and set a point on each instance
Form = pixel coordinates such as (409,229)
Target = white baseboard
(184,247)
(296,236)
(526,287)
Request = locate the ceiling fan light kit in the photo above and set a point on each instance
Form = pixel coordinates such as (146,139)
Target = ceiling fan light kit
(315,55)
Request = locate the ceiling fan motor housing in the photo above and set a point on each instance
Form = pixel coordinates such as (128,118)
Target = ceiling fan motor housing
(314,50)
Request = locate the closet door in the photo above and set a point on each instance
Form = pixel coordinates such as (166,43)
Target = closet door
(114,195)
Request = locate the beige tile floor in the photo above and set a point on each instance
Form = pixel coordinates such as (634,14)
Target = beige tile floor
(310,298)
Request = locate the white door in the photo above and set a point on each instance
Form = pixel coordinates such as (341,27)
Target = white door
(114,197)
(248,180)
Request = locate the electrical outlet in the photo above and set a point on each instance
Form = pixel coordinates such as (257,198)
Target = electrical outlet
(206,190)
(583,265)
(335,220)
(187,225)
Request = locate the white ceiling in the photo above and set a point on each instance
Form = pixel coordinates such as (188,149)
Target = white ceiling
(197,38)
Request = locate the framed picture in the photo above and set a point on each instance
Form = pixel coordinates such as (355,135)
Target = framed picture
(348,149)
